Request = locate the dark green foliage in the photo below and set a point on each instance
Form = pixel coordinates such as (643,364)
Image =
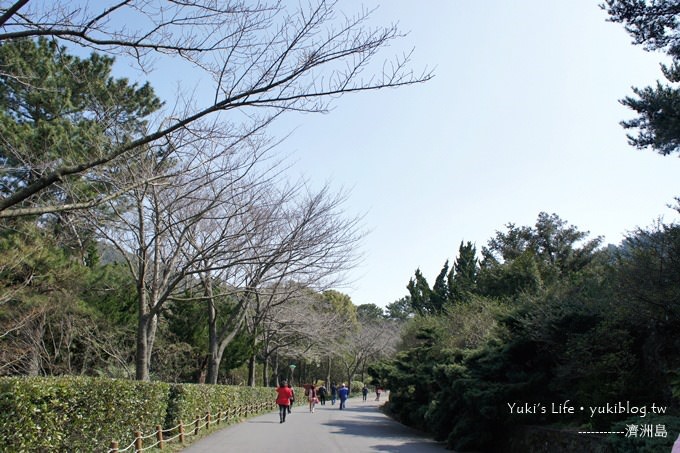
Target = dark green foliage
(58,110)
(439,296)
(400,309)
(462,279)
(370,313)
(648,265)
(450,287)
(651,23)
(508,279)
(556,247)
(410,378)
(111,292)
(420,294)
(654,25)
(647,277)
(525,259)
(60,316)
(188,323)
(239,350)
(182,351)
(34,263)
(573,323)
(658,121)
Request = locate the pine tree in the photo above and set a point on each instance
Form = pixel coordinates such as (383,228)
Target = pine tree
(463,275)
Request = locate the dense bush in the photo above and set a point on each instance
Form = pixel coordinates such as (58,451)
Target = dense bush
(595,327)
(187,401)
(75,413)
(355,387)
(86,414)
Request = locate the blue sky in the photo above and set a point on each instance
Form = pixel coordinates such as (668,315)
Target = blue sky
(522,116)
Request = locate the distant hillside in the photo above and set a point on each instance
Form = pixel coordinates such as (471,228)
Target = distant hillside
(108,254)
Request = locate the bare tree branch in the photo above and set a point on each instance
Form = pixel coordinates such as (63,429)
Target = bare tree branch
(256,56)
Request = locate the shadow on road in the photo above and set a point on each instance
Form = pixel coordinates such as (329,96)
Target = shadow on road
(409,447)
(370,424)
(389,436)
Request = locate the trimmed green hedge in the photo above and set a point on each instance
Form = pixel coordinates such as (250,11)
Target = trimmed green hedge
(187,401)
(85,414)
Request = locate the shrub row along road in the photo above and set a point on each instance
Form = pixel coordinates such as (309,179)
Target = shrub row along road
(359,428)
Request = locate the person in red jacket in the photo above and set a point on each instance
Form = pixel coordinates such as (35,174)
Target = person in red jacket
(284,394)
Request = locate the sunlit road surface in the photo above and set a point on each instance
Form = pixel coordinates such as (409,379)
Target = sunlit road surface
(359,428)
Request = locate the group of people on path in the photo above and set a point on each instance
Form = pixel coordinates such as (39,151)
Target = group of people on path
(364,393)
(286,397)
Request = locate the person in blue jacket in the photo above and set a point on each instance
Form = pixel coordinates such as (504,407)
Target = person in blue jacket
(334,393)
(343,394)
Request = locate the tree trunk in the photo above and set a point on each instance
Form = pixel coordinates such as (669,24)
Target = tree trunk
(265,372)
(251,370)
(213,347)
(328,371)
(38,332)
(146,334)
(142,356)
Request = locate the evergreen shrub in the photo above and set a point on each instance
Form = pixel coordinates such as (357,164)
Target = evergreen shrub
(76,413)
(83,414)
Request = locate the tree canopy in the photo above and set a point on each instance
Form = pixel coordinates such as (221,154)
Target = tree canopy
(550,317)
(58,110)
(654,25)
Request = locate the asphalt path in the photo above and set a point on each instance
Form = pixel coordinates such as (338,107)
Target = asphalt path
(358,428)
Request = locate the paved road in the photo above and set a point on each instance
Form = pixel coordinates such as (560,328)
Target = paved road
(360,428)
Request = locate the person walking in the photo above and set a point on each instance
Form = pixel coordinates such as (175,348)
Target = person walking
(312,398)
(343,394)
(292,398)
(334,393)
(284,394)
(364,392)
(321,391)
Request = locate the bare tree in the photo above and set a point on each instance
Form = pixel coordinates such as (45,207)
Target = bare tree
(21,335)
(370,341)
(319,244)
(299,240)
(280,328)
(258,59)
(307,329)
(49,339)
(184,216)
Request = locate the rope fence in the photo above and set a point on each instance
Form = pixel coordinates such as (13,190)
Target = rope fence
(183,430)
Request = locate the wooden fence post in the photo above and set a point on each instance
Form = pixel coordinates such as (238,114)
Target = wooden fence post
(207,420)
(159,436)
(196,424)
(114,447)
(138,441)
(219,417)
(181,432)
